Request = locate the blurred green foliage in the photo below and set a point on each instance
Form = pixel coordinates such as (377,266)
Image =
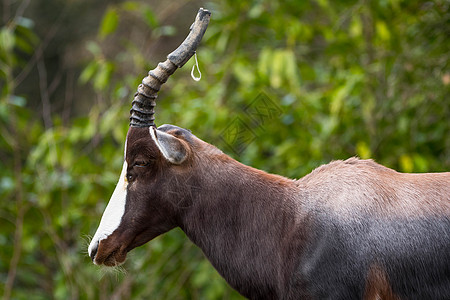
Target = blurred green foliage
(364,78)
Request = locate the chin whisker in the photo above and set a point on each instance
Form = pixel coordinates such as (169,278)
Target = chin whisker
(119,270)
(86,241)
(116,272)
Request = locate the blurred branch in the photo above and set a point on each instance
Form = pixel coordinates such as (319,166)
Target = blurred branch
(68,97)
(61,249)
(18,233)
(40,49)
(184,275)
(56,81)
(17,249)
(123,291)
(19,13)
(46,106)
(6,6)
(21,9)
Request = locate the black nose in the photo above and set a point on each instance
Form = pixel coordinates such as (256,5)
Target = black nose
(94,252)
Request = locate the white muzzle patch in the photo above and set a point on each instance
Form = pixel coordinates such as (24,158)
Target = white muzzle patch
(113,213)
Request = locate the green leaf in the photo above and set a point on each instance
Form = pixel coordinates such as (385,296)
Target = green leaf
(382,31)
(264,62)
(94,48)
(291,70)
(150,17)
(131,5)
(167,30)
(103,76)
(7,184)
(109,23)
(17,100)
(406,163)
(88,72)
(277,68)
(355,29)
(7,39)
(363,150)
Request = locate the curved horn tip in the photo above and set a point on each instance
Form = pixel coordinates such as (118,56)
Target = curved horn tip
(203,12)
(187,49)
(142,113)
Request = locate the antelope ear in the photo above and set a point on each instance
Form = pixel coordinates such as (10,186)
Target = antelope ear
(171,147)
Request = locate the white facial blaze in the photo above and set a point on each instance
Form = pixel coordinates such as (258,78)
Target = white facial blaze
(114,211)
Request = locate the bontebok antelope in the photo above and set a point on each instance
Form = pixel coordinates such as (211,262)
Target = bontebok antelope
(350,229)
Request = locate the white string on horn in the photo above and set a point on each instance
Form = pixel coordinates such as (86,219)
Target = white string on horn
(198,69)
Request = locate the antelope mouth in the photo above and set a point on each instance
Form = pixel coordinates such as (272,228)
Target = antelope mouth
(112,251)
(114,259)
(110,257)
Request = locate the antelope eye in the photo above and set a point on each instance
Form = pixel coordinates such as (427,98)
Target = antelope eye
(141,163)
(130,177)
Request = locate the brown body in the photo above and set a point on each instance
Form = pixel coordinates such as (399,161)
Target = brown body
(348,230)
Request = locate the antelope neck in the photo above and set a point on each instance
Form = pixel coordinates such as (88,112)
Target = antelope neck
(231,224)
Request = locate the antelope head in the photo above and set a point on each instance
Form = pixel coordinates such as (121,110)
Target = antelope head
(141,206)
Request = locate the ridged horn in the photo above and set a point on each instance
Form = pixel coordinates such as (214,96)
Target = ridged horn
(142,108)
